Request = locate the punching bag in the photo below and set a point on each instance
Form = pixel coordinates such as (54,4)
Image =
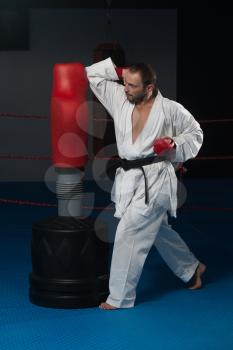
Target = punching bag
(69,261)
(69,116)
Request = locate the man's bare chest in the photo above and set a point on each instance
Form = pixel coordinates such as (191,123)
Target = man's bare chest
(139,119)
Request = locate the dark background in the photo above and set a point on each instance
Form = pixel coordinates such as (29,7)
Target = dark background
(204,68)
(205,81)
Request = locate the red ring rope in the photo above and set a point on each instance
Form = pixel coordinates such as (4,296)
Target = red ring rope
(44,204)
(45,117)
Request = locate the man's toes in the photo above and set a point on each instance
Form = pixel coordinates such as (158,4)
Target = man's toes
(107,306)
(197,285)
(101,306)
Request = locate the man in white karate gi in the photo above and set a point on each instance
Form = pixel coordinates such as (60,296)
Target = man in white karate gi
(144,194)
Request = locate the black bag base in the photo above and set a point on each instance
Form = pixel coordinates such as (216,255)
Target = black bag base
(69,263)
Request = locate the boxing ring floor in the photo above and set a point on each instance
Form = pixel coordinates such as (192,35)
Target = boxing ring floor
(166,316)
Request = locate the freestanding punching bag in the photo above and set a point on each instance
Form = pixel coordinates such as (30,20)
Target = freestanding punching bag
(69,261)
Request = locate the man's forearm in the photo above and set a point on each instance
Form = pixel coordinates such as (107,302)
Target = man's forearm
(103,70)
(103,79)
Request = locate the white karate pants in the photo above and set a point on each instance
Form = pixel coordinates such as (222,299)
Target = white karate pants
(134,238)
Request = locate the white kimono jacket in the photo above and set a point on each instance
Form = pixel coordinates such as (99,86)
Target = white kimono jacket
(166,118)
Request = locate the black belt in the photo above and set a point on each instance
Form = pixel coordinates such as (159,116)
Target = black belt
(136,163)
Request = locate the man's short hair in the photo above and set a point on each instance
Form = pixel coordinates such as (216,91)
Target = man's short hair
(147,73)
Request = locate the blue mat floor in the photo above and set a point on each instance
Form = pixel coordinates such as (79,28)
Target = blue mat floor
(166,315)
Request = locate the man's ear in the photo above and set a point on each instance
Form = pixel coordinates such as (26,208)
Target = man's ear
(150,88)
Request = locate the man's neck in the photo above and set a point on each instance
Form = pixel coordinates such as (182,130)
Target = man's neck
(145,103)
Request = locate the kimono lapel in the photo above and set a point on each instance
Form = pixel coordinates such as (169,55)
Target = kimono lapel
(153,126)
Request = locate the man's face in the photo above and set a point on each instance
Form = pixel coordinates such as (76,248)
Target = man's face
(134,88)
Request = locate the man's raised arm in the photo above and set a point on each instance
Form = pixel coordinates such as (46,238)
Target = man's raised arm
(103,77)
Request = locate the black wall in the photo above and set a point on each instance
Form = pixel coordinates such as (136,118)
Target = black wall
(205,82)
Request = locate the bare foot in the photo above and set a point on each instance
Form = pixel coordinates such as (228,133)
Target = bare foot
(107,306)
(196,282)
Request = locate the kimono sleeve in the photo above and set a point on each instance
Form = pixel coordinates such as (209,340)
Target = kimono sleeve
(188,134)
(102,78)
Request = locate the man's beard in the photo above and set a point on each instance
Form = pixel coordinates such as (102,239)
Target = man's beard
(137,99)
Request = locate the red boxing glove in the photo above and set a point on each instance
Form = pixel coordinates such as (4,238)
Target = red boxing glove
(119,71)
(69,115)
(162,145)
